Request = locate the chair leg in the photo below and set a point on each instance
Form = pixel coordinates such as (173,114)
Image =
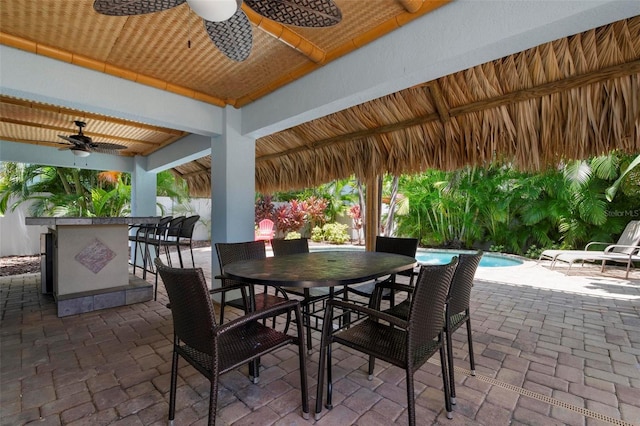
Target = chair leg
(329,404)
(445,382)
(372,365)
(213,396)
(411,400)
(452,387)
(193,262)
(320,385)
(472,362)
(213,401)
(325,346)
(179,255)
(303,365)
(306,318)
(173,385)
(222,304)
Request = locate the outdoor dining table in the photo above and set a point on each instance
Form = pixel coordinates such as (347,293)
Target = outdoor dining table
(319,269)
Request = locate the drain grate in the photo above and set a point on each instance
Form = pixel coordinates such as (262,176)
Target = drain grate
(538,396)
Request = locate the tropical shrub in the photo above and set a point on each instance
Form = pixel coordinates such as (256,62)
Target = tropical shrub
(335,233)
(317,235)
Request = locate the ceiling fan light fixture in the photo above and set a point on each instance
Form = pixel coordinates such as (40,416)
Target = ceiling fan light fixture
(214,10)
(80,152)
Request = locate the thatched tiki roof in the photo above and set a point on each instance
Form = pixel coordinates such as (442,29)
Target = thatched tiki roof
(571,98)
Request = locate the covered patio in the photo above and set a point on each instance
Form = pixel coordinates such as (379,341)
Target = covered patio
(449,84)
(550,347)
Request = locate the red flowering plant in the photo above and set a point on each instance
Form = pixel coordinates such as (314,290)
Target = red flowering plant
(264,208)
(354,214)
(315,209)
(290,217)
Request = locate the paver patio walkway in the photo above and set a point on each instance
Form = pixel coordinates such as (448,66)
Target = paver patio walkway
(551,349)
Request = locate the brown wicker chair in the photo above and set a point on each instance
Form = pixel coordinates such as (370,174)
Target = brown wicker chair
(186,236)
(403,246)
(407,344)
(233,252)
(313,299)
(215,349)
(456,312)
(169,238)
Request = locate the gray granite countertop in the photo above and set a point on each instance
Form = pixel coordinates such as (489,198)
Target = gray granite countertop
(54,221)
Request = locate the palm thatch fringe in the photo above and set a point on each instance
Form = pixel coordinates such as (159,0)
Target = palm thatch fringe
(568,99)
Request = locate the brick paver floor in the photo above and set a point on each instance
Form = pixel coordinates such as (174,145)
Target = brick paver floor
(551,348)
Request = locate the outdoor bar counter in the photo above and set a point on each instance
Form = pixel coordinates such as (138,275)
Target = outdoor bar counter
(91,263)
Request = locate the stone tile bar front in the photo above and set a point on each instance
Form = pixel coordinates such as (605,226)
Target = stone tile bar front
(91,262)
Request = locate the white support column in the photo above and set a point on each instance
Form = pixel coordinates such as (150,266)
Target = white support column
(232,186)
(144,187)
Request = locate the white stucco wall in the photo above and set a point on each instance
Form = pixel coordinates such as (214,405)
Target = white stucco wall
(16,238)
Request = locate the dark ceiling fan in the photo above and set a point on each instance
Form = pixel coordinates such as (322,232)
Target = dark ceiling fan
(225,22)
(82,145)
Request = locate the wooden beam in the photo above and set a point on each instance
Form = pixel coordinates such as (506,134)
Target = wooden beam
(573,82)
(360,134)
(411,6)
(372,212)
(286,35)
(614,71)
(439,101)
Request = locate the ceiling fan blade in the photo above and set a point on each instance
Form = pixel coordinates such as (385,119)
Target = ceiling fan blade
(71,140)
(301,13)
(65,148)
(105,146)
(133,7)
(234,37)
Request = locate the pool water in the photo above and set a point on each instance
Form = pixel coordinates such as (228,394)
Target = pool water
(440,257)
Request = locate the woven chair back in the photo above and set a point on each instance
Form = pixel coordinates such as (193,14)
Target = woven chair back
(460,290)
(173,228)
(188,225)
(403,246)
(294,246)
(426,315)
(233,252)
(161,227)
(191,306)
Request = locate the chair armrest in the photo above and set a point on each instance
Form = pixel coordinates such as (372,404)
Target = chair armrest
(269,312)
(278,288)
(601,243)
(369,311)
(376,297)
(612,246)
(239,286)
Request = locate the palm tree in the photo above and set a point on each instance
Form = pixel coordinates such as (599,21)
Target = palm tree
(59,191)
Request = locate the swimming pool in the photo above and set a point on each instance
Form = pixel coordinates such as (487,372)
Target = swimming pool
(440,257)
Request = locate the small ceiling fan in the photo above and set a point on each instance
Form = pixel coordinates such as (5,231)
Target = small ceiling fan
(226,24)
(82,145)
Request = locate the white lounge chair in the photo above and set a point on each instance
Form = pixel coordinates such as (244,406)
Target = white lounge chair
(626,250)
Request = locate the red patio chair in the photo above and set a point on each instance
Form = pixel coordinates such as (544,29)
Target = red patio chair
(265,230)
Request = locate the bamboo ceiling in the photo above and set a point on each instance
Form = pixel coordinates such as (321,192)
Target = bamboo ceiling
(568,99)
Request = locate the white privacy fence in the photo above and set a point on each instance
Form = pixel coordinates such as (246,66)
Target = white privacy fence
(18,239)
